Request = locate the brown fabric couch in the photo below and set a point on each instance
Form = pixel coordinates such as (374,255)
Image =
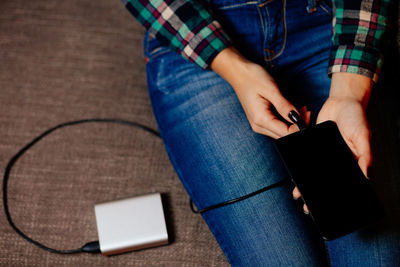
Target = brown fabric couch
(68,60)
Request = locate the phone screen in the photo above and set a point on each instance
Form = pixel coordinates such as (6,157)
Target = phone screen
(338,195)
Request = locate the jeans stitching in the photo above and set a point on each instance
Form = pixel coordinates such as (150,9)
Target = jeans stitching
(265,3)
(325,7)
(284,35)
(238,5)
(221,241)
(264,32)
(268,21)
(328,255)
(156,52)
(262,26)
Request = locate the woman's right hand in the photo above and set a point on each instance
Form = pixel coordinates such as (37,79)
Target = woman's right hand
(257,91)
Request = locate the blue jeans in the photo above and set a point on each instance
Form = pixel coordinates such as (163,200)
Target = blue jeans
(218,157)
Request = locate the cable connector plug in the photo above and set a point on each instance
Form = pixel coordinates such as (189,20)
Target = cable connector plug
(91,247)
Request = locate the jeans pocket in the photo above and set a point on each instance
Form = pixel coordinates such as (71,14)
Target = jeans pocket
(152,47)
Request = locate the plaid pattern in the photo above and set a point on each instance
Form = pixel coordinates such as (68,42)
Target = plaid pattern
(187,27)
(184,26)
(357,37)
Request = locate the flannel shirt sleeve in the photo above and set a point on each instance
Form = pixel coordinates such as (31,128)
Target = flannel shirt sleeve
(184,26)
(358,30)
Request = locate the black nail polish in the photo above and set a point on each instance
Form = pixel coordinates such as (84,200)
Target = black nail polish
(296,119)
(294,116)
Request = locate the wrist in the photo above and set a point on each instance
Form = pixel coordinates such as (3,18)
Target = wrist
(232,66)
(351,86)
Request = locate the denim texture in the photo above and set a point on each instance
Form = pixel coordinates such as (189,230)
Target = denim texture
(218,157)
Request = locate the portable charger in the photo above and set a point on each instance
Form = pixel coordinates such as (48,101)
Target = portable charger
(131,224)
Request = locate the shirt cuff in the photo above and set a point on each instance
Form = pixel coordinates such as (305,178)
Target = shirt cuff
(356,59)
(204,45)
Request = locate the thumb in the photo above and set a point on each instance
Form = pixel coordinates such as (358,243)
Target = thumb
(364,161)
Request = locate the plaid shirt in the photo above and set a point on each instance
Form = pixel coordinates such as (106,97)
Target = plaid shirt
(190,29)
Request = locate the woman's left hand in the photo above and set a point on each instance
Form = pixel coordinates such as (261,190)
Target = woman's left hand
(346,105)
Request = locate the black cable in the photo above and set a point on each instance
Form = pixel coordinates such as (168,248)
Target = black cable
(91,247)
(237,199)
(94,246)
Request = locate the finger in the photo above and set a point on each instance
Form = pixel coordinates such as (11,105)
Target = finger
(364,152)
(296,193)
(305,115)
(276,128)
(281,104)
(260,117)
(264,122)
(365,162)
(360,146)
(305,209)
(264,131)
(293,128)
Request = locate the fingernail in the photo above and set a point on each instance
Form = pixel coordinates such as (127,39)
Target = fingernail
(306,212)
(294,116)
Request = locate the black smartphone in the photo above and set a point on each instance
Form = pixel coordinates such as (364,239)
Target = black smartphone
(338,195)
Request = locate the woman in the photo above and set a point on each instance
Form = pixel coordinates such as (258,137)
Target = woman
(247,65)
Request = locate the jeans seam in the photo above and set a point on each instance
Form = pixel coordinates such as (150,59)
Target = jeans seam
(328,255)
(324,8)
(180,174)
(156,54)
(216,232)
(268,21)
(237,5)
(265,3)
(263,26)
(284,35)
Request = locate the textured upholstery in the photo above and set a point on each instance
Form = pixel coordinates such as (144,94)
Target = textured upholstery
(68,60)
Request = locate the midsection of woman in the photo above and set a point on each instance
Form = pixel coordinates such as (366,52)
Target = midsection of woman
(218,156)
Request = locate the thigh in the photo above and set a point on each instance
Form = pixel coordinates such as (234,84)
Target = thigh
(375,246)
(218,157)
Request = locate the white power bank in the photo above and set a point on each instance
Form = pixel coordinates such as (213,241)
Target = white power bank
(131,224)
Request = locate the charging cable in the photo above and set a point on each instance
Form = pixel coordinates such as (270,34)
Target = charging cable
(94,246)
(90,247)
